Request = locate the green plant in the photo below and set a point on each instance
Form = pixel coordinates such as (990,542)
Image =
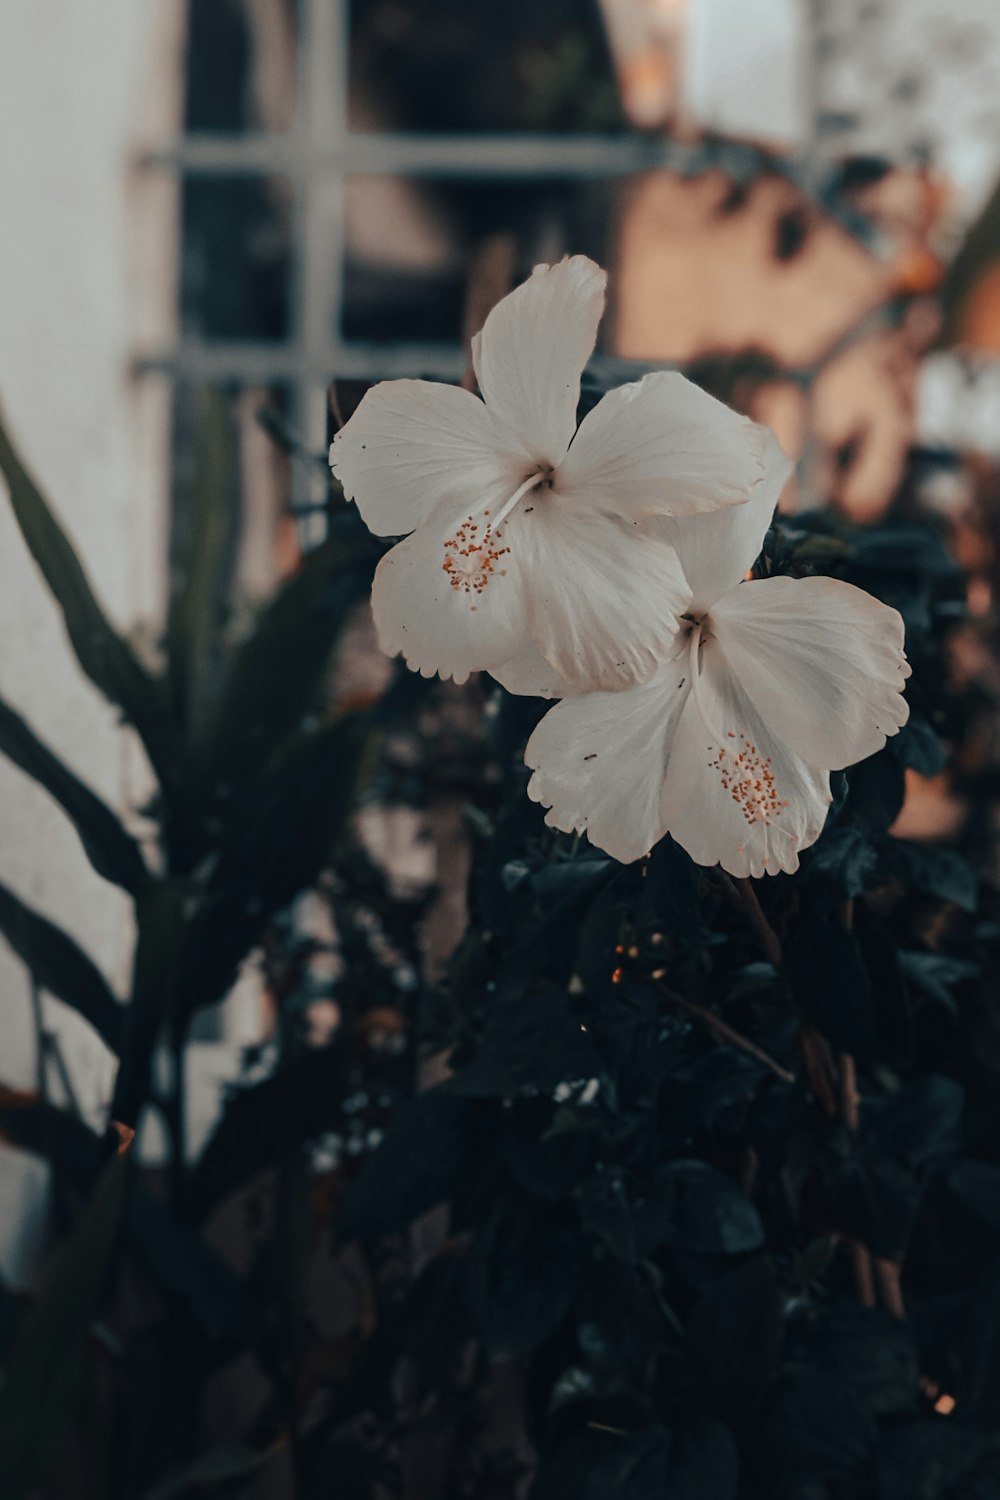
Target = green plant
(256,776)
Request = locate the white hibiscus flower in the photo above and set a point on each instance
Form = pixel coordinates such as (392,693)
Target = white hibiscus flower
(729,747)
(523,528)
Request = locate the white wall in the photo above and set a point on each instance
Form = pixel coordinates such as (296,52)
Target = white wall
(86,272)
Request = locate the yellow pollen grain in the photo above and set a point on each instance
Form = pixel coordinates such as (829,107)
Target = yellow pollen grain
(750,782)
(470,559)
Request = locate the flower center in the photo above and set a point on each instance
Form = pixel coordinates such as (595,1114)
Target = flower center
(747,776)
(472,552)
(471,555)
(744,773)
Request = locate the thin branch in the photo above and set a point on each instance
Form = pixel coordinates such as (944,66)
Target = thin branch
(850,1099)
(868,1271)
(887,1277)
(861,1265)
(744,897)
(728,1033)
(818,1063)
(816,1058)
(850,1107)
(53,1050)
(38,1018)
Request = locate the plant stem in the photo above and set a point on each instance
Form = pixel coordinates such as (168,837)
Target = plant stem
(729,1034)
(818,1064)
(53,1050)
(850,1100)
(742,892)
(887,1276)
(861,1264)
(40,1037)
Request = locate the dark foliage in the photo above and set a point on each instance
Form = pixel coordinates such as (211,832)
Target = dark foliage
(706,1203)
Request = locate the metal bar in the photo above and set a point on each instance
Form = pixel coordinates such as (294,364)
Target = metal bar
(510,157)
(321,125)
(281,364)
(231,155)
(254,363)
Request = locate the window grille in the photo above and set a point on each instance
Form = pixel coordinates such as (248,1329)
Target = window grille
(320,152)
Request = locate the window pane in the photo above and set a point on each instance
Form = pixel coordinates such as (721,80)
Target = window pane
(235,267)
(240,64)
(410,244)
(495,65)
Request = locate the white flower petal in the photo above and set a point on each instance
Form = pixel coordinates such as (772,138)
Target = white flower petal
(599,762)
(822,660)
(441,617)
(529,674)
(662,446)
(716,549)
(752,816)
(532,349)
(604,601)
(412,444)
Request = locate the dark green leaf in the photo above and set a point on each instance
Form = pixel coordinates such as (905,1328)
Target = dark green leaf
(44,1375)
(279,839)
(196,608)
(937,974)
(525,1275)
(921,1460)
(58,965)
(160,920)
(876,1201)
(550,1162)
(599,1465)
(10,1315)
(814,1429)
(277,675)
(430,1143)
(189,1267)
(526,1272)
(938,872)
(875,793)
(215,1467)
(870,1352)
(338,1467)
(921,1122)
(716,1090)
(827,977)
(893,1002)
(845,859)
(109,848)
(735,1334)
(75,1152)
(686,1205)
(918,747)
(101,652)
(532,1042)
(977,1185)
(263,1122)
(704,1461)
(669,892)
(903,548)
(695,1459)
